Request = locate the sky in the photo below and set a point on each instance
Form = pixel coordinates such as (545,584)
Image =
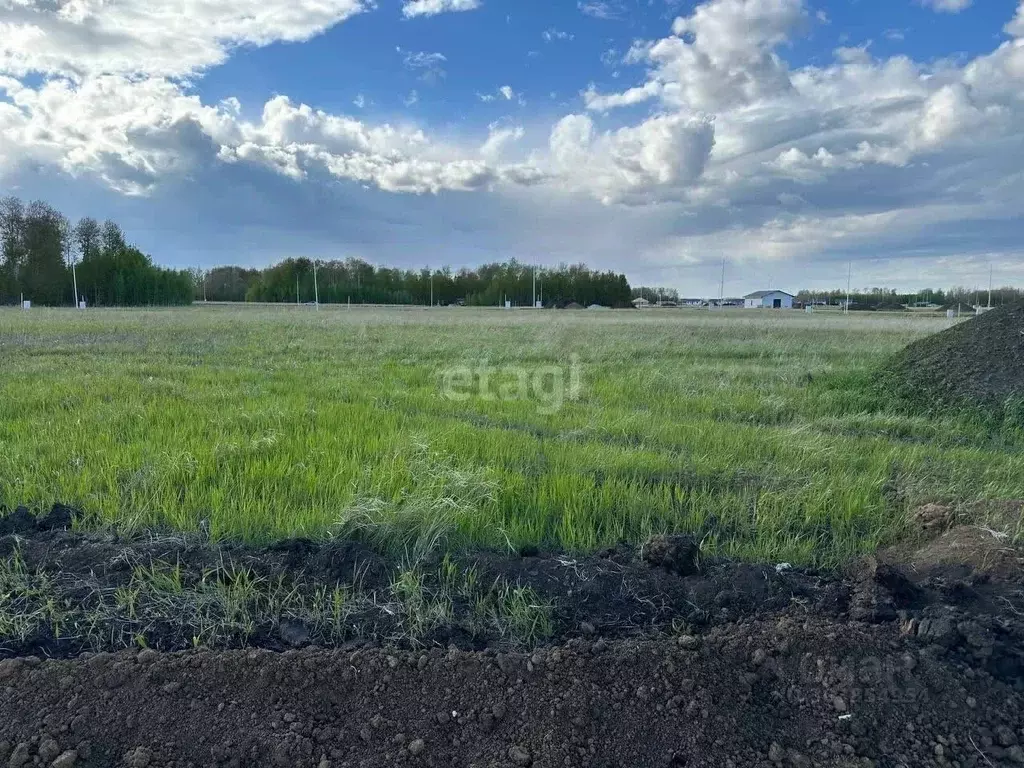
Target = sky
(797,141)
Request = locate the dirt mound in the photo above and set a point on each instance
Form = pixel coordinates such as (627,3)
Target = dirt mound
(978,363)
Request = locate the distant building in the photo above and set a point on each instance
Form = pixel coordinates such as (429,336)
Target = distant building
(641,303)
(768,300)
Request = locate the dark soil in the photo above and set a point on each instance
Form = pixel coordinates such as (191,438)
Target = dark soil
(652,659)
(794,691)
(978,363)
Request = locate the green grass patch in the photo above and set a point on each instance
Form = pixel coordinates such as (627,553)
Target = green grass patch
(763,432)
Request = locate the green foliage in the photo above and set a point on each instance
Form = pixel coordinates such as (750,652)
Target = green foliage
(889,299)
(38,246)
(759,431)
(29,603)
(355,281)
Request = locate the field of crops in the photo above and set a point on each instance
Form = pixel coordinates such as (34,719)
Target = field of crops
(561,430)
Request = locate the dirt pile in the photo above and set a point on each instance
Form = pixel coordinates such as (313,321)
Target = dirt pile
(978,363)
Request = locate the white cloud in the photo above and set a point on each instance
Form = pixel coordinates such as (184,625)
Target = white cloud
(948,6)
(505,92)
(655,159)
(498,139)
(166,38)
(551,34)
(638,95)
(414,8)
(601,9)
(723,56)
(733,149)
(428,66)
(1016,26)
(129,133)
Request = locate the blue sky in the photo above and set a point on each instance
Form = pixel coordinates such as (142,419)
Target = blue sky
(654,137)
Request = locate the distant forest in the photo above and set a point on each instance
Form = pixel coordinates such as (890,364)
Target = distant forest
(39,245)
(887,298)
(359,282)
(42,254)
(875,298)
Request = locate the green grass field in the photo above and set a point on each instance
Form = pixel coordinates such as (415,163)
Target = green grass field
(757,430)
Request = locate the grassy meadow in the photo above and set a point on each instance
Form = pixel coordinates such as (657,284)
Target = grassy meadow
(759,431)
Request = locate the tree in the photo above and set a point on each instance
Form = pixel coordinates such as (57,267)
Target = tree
(45,278)
(12,247)
(89,238)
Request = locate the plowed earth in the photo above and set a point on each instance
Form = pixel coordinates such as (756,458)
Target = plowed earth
(647,665)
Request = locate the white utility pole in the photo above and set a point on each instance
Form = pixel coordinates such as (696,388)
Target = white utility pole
(74,278)
(69,255)
(721,286)
(316,287)
(990,286)
(431,288)
(849,282)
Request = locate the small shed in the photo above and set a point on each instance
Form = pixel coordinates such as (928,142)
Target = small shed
(768,300)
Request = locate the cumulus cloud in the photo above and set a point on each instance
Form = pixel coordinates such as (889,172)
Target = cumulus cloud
(656,158)
(601,102)
(129,133)
(1016,26)
(295,139)
(168,38)
(414,8)
(732,149)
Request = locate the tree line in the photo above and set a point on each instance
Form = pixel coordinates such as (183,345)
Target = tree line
(889,298)
(359,282)
(43,255)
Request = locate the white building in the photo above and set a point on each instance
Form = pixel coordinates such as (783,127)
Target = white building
(768,300)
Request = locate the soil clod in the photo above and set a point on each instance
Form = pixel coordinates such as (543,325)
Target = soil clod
(679,554)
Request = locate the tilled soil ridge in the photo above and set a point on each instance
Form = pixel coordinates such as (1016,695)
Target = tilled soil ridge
(789,692)
(64,592)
